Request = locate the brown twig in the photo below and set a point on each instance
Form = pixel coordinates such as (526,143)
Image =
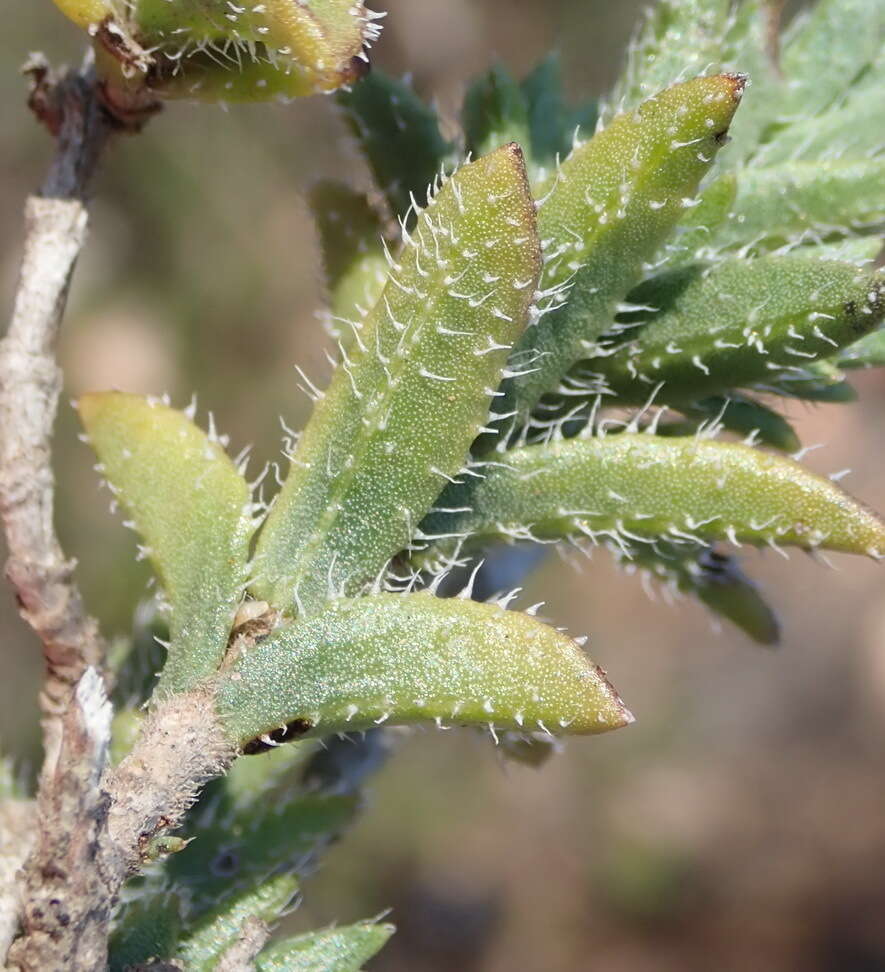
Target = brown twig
(30,383)
(774,10)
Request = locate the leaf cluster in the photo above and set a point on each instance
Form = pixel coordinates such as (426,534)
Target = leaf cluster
(552,346)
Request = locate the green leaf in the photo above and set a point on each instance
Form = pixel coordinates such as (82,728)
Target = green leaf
(678,38)
(242,847)
(495,112)
(859,250)
(399,135)
(125,727)
(741,323)
(868,352)
(747,417)
(213,50)
(204,945)
(193,510)
(407,658)
(314,45)
(818,381)
(696,232)
(403,407)
(203,78)
(835,45)
(84,13)
(353,255)
(783,203)
(147,928)
(747,48)
(853,130)
(552,124)
(606,211)
(329,950)
(630,487)
(713,578)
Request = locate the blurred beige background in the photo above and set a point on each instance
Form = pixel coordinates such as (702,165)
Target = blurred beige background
(738,825)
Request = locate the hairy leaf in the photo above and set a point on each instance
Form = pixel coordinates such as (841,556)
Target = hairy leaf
(303,46)
(740,323)
(746,417)
(868,352)
(336,949)
(784,203)
(696,232)
(244,846)
(400,136)
(148,927)
(637,486)
(607,210)
(353,256)
(678,38)
(411,658)
(818,381)
(192,509)
(552,124)
(495,112)
(853,130)
(405,404)
(205,944)
(714,579)
(835,45)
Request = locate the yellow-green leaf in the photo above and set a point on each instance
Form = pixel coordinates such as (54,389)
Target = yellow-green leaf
(406,401)
(638,487)
(193,511)
(411,658)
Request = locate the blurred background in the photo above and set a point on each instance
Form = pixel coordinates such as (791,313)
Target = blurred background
(739,824)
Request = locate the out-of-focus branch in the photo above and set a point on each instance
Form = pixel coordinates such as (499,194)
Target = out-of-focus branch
(774,11)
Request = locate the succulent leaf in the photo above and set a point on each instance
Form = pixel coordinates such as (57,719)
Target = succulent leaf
(399,135)
(741,323)
(84,13)
(697,230)
(193,510)
(214,50)
(339,949)
(646,486)
(205,944)
(868,352)
(747,418)
(818,381)
(243,847)
(677,38)
(835,43)
(853,130)
(785,203)
(355,267)
(147,928)
(715,579)
(552,124)
(408,658)
(404,405)
(495,112)
(608,209)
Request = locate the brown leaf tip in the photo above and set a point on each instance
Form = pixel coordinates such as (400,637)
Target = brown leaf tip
(738,84)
